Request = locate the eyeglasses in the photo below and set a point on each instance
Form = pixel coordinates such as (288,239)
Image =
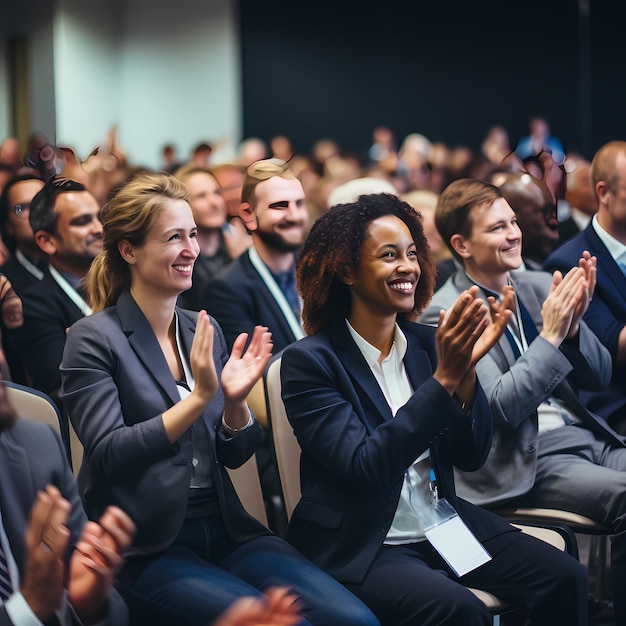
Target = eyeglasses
(22,210)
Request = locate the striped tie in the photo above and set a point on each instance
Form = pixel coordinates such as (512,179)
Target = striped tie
(6,589)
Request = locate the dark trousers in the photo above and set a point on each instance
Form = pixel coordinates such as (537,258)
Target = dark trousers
(412,585)
(203,572)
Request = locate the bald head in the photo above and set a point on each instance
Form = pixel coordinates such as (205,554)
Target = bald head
(608,174)
(606,162)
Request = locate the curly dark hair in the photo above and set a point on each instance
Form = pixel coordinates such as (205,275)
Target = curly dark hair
(334,244)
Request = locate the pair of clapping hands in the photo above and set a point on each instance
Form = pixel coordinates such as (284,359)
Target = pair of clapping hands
(469,328)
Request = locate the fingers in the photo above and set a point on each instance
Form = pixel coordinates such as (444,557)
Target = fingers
(46,530)
(119,527)
(260,347)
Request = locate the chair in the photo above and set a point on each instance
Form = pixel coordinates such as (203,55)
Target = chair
(568,524)
(247,484)
(287,452)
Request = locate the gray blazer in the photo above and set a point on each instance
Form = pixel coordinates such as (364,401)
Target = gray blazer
(116,384)
(31,457)
(515,388)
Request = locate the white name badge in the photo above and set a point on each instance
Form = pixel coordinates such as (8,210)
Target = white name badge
(453,540)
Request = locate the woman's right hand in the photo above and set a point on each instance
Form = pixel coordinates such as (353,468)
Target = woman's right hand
(459,329)
(201,359)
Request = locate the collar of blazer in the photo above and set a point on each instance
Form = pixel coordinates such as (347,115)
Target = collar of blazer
(143,341)
(416,362)
(607,266)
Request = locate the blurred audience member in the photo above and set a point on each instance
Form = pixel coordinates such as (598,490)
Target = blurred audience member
(535,211)
(209,213)
(605,238)
(580,196)
(64,218)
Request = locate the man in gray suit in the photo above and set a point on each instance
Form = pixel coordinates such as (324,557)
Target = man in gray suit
(548,450)
(55,566)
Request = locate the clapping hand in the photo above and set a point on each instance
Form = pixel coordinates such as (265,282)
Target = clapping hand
(279,608)
(243,369)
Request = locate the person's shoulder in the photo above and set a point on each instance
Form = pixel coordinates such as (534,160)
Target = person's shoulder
(235,273)
(100,322)
(417,329)
(27,431)
(568,251)
(443,298)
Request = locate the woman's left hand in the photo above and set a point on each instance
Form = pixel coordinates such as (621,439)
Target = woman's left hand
(243,369)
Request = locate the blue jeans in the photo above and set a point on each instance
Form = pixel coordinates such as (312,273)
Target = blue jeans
(204,571)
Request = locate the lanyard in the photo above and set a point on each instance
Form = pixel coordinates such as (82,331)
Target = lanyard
(277,294)
(30,267)
(433,484)
(69,291)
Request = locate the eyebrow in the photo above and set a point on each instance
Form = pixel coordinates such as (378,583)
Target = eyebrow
(85,218)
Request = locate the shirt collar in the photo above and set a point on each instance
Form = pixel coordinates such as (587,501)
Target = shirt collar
(372,354)
(615,247)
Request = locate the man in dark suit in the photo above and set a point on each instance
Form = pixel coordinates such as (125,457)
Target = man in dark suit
(605,238)
(23,266)
(259,286)
(41,515)
(67,229)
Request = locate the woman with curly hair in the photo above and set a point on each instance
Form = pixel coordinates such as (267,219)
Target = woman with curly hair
(383,408)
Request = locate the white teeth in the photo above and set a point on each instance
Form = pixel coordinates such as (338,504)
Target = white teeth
(182,268)
(402,286)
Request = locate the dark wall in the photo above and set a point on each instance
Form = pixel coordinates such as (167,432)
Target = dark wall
(449,70)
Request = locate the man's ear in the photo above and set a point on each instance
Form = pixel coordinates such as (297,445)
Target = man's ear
(46,241)
(602,191)
(247,214)
(458,243)
(127,251)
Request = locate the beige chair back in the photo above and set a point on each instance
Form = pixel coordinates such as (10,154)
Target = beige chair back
(247,484)
(286,445)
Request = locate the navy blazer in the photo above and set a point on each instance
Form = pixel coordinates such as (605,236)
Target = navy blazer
(606,315)
(240,300)
(355,453)
(31,457)
(116,384)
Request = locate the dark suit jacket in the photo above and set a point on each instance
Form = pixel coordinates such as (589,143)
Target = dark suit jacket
(116,386)
(239,300)
(20,279)
(48,312)
(354,453)
(31,457)
(516,388)
(606,315)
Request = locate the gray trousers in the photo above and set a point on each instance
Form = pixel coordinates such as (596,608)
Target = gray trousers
(579,472)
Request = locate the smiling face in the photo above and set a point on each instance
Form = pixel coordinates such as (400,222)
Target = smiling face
(279,217)
(385,280)
(164,262)
(207,204)
(494,246)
